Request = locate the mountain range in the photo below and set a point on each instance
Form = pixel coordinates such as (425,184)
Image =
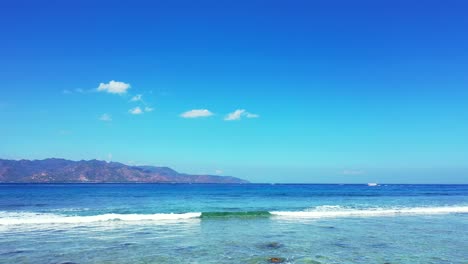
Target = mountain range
(55,170)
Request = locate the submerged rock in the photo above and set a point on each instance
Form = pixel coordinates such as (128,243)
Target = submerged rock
(277,260)
(273,245)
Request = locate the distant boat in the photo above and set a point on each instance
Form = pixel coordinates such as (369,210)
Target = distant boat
(372,184)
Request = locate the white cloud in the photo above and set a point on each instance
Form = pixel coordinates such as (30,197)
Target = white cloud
(238,114)
(148,109)
(250,115)
(106,118)
(114,87)
(218,172)
(136,98)
(196,113)
(136,111)
(77,91)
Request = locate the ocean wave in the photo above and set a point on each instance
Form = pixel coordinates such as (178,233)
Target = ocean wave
(25,218)
(326,208)
(36,218)
(371,212)
(241,214)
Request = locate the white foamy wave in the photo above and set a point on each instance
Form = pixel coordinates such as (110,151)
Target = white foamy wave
(7,218)
(320,213)
(326,208)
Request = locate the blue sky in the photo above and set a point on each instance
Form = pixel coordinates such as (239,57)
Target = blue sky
(325,91)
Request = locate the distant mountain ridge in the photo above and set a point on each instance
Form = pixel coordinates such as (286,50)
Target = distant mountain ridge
(56,170)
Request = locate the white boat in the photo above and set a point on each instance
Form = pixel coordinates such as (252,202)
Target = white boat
(372,184)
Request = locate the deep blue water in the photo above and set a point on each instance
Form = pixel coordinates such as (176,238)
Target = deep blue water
(248,223)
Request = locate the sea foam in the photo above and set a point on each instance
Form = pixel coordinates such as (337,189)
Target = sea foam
(27,218)
(36,218)
(371,212)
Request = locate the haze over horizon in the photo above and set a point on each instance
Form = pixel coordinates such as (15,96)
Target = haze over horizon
(270,91)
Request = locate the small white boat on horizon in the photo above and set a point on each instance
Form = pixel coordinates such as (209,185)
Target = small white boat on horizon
(372,184)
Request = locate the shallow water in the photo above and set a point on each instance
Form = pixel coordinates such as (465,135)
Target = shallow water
(133,223)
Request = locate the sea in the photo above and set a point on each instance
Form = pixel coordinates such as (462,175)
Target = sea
(233,223)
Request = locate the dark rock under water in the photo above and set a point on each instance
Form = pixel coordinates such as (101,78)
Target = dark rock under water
(273,245)
(277,260)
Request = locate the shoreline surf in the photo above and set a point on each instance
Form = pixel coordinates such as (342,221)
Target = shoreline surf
(26,218)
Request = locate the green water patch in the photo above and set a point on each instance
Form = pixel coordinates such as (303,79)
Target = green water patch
(250,214)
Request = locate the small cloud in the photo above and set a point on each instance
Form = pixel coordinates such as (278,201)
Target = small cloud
(195,113)
(250,115)
(136,98)
(136,111)
(114,87)
(106,118)
(218,172)
(76,91)
(353,172)
(148,109)
(238,114)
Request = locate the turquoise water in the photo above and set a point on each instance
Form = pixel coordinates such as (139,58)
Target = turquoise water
(165,223)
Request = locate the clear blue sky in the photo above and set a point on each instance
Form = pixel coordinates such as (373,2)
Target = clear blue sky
(332,91)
